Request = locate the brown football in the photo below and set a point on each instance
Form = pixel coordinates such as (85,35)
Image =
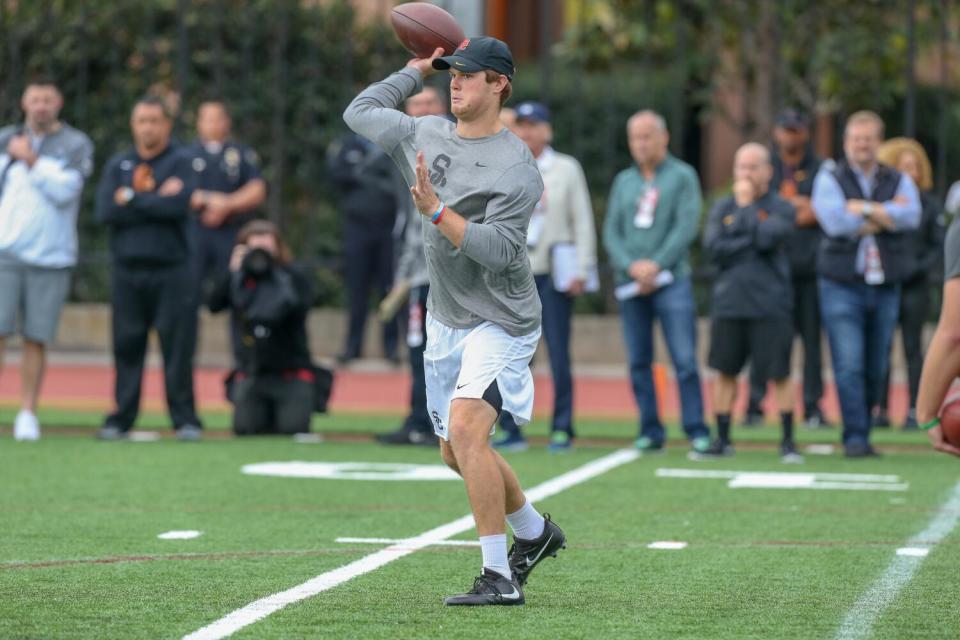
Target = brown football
(422,27)
(950,419)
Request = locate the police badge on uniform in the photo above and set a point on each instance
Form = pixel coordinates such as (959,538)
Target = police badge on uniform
(199,164)
(231,158)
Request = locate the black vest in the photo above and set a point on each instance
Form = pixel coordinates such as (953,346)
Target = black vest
(837,259)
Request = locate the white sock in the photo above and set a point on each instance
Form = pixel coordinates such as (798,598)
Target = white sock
(494,550)
(526,522)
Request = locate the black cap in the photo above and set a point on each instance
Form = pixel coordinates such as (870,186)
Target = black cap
(792,119)
(479,54)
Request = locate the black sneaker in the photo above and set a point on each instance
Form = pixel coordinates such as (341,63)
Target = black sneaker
(910,424)
(527,554)
(400,436)
(789,453)
(111,432)
(488,588)
(717,449)
(860,450)
(753,418)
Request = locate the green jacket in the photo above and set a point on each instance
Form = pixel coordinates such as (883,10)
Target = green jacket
(675,225)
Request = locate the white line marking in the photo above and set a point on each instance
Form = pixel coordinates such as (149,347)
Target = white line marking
(351,470)
(180,535)
(915,552)
(859,621)
(667,544)
(144,436)
(382,541)
(820,449)
(792,479)
(260,609)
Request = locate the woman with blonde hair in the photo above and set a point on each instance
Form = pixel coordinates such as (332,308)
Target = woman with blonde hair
(926,255)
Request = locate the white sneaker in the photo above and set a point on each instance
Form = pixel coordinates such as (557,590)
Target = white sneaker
(26,427)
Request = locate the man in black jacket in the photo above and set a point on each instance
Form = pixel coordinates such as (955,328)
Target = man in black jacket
(269,299)
(368,183)
(794,168)
(752,303)
(144,198)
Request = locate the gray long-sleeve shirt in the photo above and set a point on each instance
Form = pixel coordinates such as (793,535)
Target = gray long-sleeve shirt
(493,182)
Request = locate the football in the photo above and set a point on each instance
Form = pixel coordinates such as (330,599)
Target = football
(950,419)
(422,27)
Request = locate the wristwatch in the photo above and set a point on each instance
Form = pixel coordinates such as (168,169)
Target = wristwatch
(126,194)
(867,209)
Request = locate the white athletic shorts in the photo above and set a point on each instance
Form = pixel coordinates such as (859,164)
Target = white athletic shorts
(463,363)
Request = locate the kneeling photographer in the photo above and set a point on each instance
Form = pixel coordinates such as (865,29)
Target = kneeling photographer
(274,387)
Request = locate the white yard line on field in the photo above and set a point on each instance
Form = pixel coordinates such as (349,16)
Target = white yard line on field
(245,616)
(859,621)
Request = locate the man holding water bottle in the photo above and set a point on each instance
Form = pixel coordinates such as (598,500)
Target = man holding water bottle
(652,218)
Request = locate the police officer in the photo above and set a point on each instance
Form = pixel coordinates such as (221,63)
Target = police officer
(144,198)
(367,181)
(228,187)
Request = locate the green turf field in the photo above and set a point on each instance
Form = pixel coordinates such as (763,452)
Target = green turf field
(80,557)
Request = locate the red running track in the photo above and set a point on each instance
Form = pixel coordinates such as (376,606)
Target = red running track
(90,387)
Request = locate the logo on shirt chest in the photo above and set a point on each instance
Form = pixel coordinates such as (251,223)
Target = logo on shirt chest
(438,175)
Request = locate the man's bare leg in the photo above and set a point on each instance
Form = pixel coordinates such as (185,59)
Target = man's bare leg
(31,374)
(470,422)
(514,497)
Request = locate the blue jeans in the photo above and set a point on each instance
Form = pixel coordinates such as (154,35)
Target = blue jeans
(859,320)
(557,310)
(673,307)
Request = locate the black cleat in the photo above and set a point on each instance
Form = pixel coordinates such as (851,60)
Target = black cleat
(717,449)
(789,453)
(407,436)
(488,588)
(860,450)
(527,554)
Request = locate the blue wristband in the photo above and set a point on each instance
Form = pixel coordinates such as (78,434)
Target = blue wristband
(436,214)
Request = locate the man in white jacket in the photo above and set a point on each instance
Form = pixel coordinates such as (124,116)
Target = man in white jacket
(562,244)
(43,165)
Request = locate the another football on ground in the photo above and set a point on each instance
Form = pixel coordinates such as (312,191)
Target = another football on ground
(422,27)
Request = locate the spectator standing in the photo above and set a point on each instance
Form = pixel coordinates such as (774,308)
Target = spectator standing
(561,242)
(863,207)
(43,165)
(926,250)
(144,199)
(227,188)
(412,285)
(368,184)
(794,167)
(652,218)
(751,310)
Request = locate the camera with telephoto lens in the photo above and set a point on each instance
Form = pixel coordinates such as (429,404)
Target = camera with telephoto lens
(257,263)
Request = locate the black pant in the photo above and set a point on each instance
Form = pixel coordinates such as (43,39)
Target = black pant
(914,304)
(211,247)
(368,264)
(272,404)
(806,319)
(158,297)
(419,419)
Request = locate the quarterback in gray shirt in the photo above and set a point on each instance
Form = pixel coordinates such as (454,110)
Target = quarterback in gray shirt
(476,185)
